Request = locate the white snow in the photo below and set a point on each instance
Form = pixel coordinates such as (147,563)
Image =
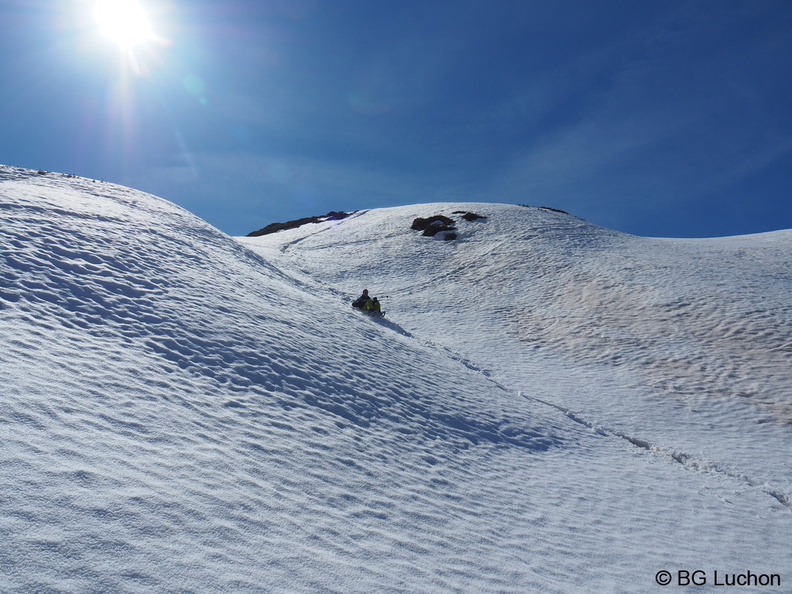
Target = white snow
(548,406)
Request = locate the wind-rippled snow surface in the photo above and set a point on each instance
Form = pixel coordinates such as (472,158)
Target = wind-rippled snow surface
(683,344)
(182,414)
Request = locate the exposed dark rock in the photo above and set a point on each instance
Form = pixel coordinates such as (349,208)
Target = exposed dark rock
(333,215)
(437,224)
(420,223)
(553,209)
(436,227)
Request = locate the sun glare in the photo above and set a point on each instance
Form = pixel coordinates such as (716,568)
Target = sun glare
(124,22)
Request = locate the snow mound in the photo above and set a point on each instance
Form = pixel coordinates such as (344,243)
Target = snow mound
(167,391)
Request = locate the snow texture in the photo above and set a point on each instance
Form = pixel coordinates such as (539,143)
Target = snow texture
(547,406)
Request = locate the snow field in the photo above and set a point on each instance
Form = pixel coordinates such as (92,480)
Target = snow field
(684,344)
(182,414)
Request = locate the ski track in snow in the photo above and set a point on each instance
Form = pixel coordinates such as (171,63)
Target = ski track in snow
(181,414)
(688,461)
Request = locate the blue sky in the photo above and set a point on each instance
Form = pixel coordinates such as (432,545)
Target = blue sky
(659,118)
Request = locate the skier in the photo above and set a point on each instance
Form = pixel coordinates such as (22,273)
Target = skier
(361,301)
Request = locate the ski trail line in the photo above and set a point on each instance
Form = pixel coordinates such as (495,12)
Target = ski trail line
(686,460)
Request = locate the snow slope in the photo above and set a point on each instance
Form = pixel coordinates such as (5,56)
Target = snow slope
(182,411)
(683,344)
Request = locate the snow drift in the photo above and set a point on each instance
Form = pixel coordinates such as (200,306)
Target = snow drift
(183,411)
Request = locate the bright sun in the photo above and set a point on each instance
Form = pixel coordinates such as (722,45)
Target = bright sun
(123,21)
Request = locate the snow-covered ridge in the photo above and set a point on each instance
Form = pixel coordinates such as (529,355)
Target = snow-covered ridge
(701,326)
(185,411)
